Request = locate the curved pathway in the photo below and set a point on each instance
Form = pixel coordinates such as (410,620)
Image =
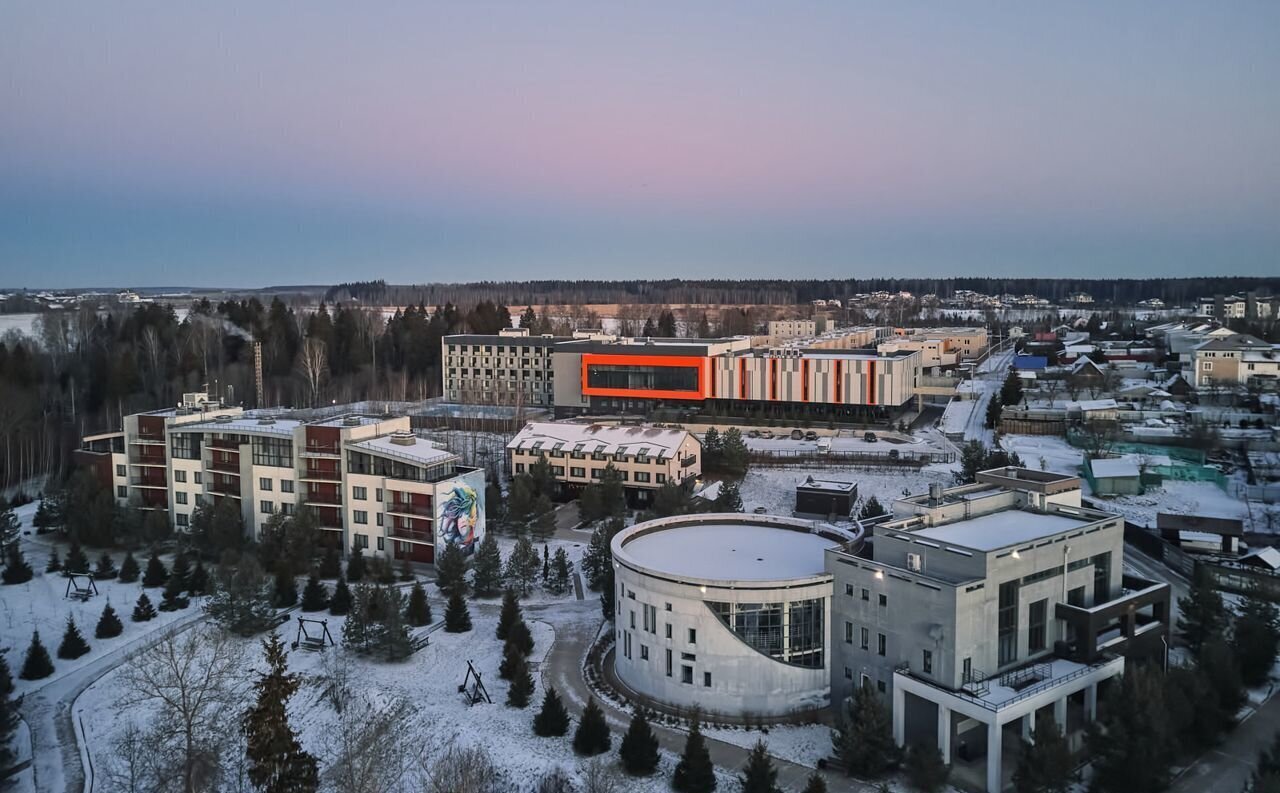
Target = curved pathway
(563,670)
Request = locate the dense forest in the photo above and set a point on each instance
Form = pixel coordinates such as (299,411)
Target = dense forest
(782,292)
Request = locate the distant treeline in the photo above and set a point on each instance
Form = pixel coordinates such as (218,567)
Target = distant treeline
(781,292)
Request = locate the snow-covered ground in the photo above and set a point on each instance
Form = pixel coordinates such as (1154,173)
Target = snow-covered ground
(775,488)
(803,744)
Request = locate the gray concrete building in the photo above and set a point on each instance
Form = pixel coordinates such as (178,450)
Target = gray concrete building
(975,607)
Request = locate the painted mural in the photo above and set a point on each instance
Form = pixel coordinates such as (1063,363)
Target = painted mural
(460,512)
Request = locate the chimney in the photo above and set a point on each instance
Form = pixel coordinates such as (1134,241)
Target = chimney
(935,493)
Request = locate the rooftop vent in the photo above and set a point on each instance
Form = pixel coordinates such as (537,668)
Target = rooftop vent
(266,420)
(403,438)
(351,421)
(935,493)
(224,419)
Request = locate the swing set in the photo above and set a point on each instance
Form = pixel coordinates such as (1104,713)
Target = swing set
(315,637)
(474,692)
(80,586)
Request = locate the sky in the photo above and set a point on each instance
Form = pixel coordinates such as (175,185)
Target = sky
(250,144)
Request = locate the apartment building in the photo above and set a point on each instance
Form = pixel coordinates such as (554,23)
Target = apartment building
(940,347)
(779,329)
(976,607)
(646,457)
(1236,360)
(368,480)
(512,368)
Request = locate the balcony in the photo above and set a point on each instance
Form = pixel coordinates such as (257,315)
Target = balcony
(149,460)
(225,466)
(411,535)
(323,499)
(1133,623)
(1050,679)
(311,475)
(151,482)
(147,440)
(224,444)
(225,490)
(411,510)
(320,450)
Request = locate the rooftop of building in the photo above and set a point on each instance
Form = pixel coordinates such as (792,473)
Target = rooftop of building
(404,446)
(245,423)
(1236,341)
(829,485)
(348,420)
(659,442)
(996,530)
(729,547)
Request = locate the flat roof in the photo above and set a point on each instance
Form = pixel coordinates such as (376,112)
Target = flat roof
(827,484)
(1000,529)
(422,451)
(731,551)
(243,423)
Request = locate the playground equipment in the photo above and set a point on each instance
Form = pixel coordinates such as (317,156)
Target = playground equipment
(313,634)
(80,586)
(473,691)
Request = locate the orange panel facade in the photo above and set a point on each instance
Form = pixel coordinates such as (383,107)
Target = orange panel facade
(701,365)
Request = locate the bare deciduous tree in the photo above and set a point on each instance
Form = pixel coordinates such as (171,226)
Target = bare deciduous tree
(134,765)
(313,368)
(460,770)
(599,777)
(370,742)
(193,680)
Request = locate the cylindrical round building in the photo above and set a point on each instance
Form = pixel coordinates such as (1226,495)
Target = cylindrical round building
(727,612)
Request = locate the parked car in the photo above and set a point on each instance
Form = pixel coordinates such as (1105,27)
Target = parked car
(759,510)
(766,434)
(869,437)
(811,436)
(893,454)
(753,434)
(797,435)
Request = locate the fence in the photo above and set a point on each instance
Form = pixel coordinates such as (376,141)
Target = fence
(892,457)
(1267,494)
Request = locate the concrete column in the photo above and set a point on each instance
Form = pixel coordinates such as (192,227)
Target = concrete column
(944,733)
(994,750)
(1091,703)
(1060,714)
(899,716)
(1028,726)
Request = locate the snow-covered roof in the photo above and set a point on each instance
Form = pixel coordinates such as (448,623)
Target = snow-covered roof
(1269,557)
(730,551)
(1000,529)
(1087,405)
(421,451)
(660,442)
(246,424)
(1114,467)
(834,485)
(1200,536)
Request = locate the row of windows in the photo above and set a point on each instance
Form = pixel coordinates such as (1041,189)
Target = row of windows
(686,669)
(642,477)
(502,349)
(640,458)
(362,541)
(514,374)
(266,483)
(864,638)
(865,594)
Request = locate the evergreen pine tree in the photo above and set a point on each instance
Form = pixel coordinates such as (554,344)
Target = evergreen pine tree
(597,559)
(55,564)
(143,611)
(156,573)
(330,564)
(1202,615)
(198,580)
(285,590)
(592,736)
(730,498)
(128,569)
(174,599)
(73,644)
(561,570)
(37,664)
(355,565)
(457,619)
(864,741)
(106,569)
(511,657)
(1256,634)
(109,625)
(552,719)
(340,603)
(8,714)
(451,569)
(356,633)
(76,561)
(815,784)
(992,417)
(871,508)
(521,688)
(1045,766)
(486,568)
(182,569)
(16,569)
(694,773)
(418,612)
(509,615)
(406,570)
(277,761)
(735,454)
(1011,389)
(546,564)
(608,595)
(241,599)
(924,767)
(1217,662)
(521,637)
(390,631)
(315,595)
(639,749)
(759,774)
(1132,748)
(522,567)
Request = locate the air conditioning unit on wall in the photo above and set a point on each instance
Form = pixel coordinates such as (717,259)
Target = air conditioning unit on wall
(914,562)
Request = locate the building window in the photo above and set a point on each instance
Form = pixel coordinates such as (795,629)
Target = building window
(180,497)
(881,643)
(1007,623)
(866,639)
(360,493)
(866,594)
(668,663)
(642,476)
(378,518)
(884,600)
(264,484)
(693,636)
(1076,597)
(360,516)
(199,477)
(880,686)
(122,491)
(848,633)
(968,669)
(1101,578)
(597,473)
(286,485)
(661,479)
(848,673)
(184,519)
(519,468)
(644,652)
(686,674)
(668,630)
(626,643)
(633,620)
(848,589)
(706,679)
(265,507)
(360,540)
(926,662)
(1036,635)
(179,475)
(578,472)
(377,494)
(121,471)
(277,452)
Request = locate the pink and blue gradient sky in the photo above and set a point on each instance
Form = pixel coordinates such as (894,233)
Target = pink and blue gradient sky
(303,142)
